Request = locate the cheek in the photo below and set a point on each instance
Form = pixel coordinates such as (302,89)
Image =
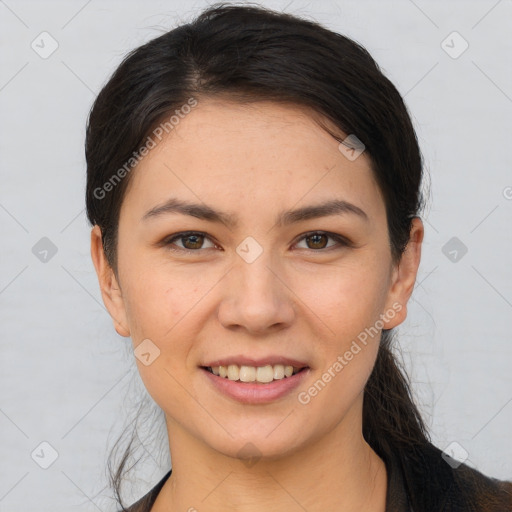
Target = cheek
(161,309)
(347,300)
(166,308)
(157,300)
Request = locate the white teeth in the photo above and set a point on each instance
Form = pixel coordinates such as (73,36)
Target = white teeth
(261,374)
(233,372)
(247,374)
(264,373)
(278,371)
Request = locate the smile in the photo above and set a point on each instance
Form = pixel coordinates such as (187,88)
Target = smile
(250,390)
(260,374)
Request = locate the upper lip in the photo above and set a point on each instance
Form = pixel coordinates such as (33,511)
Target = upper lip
(263,361)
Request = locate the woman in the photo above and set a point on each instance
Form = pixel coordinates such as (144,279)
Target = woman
(253,183)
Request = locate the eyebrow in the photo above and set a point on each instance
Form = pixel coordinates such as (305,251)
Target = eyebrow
(284,218)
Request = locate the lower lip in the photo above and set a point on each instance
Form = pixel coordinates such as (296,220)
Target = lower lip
(253,393)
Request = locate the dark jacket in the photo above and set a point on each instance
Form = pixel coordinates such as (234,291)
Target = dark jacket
(427,483)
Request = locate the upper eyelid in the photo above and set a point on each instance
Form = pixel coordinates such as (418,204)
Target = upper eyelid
(184,234)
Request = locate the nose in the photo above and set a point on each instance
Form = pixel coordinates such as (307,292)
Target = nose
(257,297)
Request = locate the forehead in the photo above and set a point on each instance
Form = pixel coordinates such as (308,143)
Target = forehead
(251,155)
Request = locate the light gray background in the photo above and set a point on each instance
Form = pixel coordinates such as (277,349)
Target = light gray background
(65,373)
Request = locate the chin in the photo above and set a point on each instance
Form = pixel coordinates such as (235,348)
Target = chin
(257,444)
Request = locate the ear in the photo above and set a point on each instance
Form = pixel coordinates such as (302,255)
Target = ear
(404,278)
(110,289)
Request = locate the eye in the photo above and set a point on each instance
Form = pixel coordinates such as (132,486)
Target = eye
(193,240)
(318,240)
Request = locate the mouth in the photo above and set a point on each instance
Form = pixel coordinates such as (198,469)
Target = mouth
(255,374)
(255,385)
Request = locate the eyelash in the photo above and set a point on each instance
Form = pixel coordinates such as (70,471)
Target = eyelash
(344,242)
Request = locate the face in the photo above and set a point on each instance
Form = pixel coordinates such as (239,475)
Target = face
(314,289)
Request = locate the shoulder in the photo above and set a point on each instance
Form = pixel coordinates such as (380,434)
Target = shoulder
(435,481)
(145,503)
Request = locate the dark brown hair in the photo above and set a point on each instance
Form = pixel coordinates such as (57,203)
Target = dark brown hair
(252,53)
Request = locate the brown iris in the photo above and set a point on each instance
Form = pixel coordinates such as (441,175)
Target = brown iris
(316,237)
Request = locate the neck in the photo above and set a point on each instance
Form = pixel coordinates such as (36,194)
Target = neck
(339,471)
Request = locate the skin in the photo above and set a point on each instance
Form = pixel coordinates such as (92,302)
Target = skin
(298,299)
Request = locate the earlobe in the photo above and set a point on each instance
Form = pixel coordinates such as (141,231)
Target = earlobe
(404,277)
(109,286)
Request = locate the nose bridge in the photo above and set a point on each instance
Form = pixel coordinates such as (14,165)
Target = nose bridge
(254,272)
(256,297)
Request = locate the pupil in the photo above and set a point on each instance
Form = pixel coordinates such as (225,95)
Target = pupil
(195,245)
(316,236)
